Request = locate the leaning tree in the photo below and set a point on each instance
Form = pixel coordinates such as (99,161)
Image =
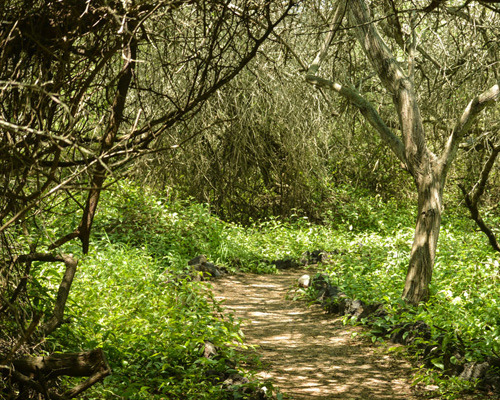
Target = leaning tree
(430,61)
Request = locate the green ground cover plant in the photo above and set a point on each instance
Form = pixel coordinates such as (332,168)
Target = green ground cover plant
(153,329)
(133,297)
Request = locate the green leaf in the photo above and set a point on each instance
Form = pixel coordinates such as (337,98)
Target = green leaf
(438,363)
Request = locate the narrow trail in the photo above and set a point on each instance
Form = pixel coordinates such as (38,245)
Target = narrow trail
(307,353)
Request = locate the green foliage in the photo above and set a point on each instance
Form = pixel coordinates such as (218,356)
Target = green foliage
(174,232)
(447,388)
(130,299)
(358,211)
(152,329)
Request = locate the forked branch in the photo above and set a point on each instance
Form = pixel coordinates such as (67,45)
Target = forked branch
(349,92)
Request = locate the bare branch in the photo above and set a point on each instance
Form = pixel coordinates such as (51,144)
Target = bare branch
(471,112)
(64,287)
(350,93)
(334,26)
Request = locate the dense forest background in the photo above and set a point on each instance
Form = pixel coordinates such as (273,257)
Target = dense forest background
(135,135)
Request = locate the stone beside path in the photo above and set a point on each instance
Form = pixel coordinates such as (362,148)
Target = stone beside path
(307,353)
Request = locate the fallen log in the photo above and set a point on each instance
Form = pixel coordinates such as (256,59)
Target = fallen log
(69,364)
(34,372)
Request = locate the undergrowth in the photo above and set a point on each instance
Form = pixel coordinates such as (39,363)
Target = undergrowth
(134,298)
(131,299)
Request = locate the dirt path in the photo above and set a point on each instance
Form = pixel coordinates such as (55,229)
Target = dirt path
(307,353)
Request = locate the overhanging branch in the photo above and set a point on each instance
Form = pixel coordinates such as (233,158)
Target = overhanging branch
(349,92)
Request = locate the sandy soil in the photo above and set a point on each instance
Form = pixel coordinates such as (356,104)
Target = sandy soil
(307,353)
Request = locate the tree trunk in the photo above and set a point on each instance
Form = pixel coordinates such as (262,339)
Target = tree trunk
(423,252)
(428,170)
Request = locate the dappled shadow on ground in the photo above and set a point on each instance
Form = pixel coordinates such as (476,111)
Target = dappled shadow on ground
(307,353)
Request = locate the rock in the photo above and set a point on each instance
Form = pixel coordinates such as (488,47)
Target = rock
(407,333)
(304,258)
(324,256)
(379,311)
(201,259)
(304,281)
(473,371)
(330,296)
(206,270)
(235,379)
(317,256)
(286,263)
(335,305)
(321,283)
(212,269)
(485,373)
(241,388)
(357,308)
(209,350)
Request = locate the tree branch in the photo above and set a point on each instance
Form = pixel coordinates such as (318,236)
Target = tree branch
(475,106)
(367,110)
(471,202)
(168,120)
(350,93)
(474,212)
(91,363)
(485,173)
(334,26)
(64,287)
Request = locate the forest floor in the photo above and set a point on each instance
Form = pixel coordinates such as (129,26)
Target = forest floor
(305,352)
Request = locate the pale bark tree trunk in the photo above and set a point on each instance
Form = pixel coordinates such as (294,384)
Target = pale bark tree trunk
(423,252)
(426,169)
